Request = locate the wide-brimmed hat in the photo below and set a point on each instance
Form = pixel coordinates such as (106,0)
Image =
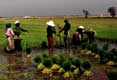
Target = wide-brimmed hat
(81,27)
(50,23)
(16,22)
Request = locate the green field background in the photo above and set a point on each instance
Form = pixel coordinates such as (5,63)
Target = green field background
(104,27)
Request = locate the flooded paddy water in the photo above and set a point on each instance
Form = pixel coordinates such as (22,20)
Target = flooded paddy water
(16,66)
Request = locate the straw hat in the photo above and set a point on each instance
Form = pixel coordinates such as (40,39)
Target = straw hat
(81,27)
(16,22)
(50,23)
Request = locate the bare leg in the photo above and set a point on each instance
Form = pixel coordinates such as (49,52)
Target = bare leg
(10,43)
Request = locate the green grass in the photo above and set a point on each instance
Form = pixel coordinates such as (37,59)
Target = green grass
(105,28)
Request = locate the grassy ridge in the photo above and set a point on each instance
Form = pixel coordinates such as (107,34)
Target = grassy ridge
(105,28)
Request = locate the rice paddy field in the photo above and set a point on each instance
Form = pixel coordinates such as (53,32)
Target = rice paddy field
(104,27)
(23,66)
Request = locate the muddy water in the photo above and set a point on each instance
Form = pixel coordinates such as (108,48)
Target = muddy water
(3,61)
(111,45)
(14,66)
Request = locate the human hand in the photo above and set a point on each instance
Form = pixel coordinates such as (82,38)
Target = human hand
(58,34)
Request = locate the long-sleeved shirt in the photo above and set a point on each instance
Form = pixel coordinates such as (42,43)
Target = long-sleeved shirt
(50,31)
(66,28)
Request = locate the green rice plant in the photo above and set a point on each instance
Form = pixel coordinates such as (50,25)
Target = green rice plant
(66,65)
(89,46)
(106,54)
(28,50)
(37,59)
(94,47)
(83,46)
(105,46)
(112,75)
(44,55)
(105,28)
(40,58)
(43,44)
(86,65)
(55,59)
(62,59)
(76,62)
(48,62)
(114,53)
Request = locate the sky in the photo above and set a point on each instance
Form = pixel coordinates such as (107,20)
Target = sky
(16,8)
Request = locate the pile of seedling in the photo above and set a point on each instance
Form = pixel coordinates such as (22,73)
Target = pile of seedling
(103,54)
(62,67)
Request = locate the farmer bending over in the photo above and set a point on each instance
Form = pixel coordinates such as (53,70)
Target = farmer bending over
(80,29)
(90,34)
(76,39)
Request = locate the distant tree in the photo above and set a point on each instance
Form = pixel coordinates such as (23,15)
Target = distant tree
(112,11)
(86,13)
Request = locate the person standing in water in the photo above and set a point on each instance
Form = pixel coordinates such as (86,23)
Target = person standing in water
(10,37)
(50,31)
(66,29)
(18,29)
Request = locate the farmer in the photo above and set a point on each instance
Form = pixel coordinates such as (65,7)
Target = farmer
(80,29)
(50,31)
(18,29)
(90,34)
(66,29)
(76,39)
(9,35)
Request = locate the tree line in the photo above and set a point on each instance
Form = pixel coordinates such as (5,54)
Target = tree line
(111,10)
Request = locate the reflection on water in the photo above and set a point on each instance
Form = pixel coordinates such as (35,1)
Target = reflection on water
(13,66)
(111,45)
(3,61)
(16,66)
